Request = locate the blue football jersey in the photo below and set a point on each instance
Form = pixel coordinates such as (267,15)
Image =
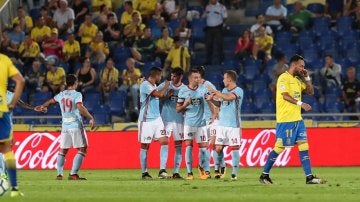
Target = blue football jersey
(229,115)
(149,105)
(168,112)
(67,100)
(194,113)
(207,111)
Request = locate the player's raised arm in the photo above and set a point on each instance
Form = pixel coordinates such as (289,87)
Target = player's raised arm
(223,96)
(161,93)
(20,82)
(309,89)
(86,113)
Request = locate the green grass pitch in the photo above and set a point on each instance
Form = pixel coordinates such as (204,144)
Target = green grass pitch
(126,185)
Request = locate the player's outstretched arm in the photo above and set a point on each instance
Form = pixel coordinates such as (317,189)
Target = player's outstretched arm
(30,107)
(86,113)
(161,93)
(44,106)
(19,86)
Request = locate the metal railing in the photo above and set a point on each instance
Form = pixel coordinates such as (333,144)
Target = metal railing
(8,12)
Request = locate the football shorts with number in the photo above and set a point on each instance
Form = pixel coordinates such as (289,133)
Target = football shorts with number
(175,129)
(151,130)
(73,137)
(288,133)
(211,128)
(228,136)
(197,133)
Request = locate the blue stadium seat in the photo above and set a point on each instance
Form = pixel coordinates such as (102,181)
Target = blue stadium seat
(101,118)
(174,24)
(34,14)
(198,57)
(148,65)
(230,43)
(247,108)
(30,120)
(41,97)
(267,108)
(114,95)
(235,30)
(310,54)
(283,36)
(231,65)
(344,24)
(262,96)
(261,82)
(198,26)
(317,8)
(117,104)
(198,8)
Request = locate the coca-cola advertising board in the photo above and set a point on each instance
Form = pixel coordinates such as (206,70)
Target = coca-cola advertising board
(112,150)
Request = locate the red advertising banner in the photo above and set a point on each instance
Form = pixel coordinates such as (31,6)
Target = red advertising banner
(111,150)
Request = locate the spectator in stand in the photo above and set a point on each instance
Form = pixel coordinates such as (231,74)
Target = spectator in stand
(96,5)
(131,80)
(64,18)
(98,50)
(109,77)
(183,32)
(103,16)
(41,32)
(170,10)
(25,21)
(262,46)
(133,31)
(260,22)
(163,45)
(28,51)
(334,8)
(87,32)
(81,8)
(244,46)
(126,16)
(52,6)
(30,3)
(71,52)
(331,72)
(7,47)
(352,8)
(216,15)
(146,8)
(351,91)
(55,77)
(300,18)
(146,46)
(112,31)
(16,36)
(86,76)
(178,57)
(275,15)
(44,12)
(279,68)
(53,45)
(34,78)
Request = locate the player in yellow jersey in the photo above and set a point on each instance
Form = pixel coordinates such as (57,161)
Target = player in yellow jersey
(8,70)
(290,128)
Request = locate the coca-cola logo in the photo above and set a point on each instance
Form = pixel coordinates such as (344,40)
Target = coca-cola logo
(37,150)
(255,151)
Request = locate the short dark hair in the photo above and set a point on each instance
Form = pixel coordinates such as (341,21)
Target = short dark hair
(70,80)
(194,70)
(110,15)
(232,74)
(328,55)
(129,3)
(296,58)
(177,71)
(154,71)
(202,71)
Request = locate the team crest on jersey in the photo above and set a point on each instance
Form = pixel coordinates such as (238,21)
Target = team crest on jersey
(190,134)
(148,138)
(220,140)
(195,101)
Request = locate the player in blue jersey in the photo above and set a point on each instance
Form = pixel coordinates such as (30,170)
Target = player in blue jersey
(290,128)
(73,133)
(211,119)
(150,124)
(174,121)
(9,98)
(8,70)
(191,102)
(228,130)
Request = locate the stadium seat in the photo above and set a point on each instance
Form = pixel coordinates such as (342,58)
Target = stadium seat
(197,29)
(261,82)
(231,65)
(101,118)
(117,105)
(267,108)
(41,97)
(344,24)
(250,71)
(148,65)
(316,8)
(310,54)
(235,30)
(174,24)
(262,96)
(34,14)
(247,108)
(30,120)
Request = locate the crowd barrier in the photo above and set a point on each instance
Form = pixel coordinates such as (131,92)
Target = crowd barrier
(114,150)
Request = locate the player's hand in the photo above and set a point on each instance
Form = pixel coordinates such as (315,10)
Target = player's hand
(209,96)
(11,106)
(170,92)
(92,124)
(304,73)
(187,102)
(166,84)
(306,106)
(40,109)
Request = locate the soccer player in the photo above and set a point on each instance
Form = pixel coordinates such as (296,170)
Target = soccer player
(210,118)
(290,128)
(174,121)
(228,130)
(8,70)
(9,98)
(150,124)
(191,102)
(73,133)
